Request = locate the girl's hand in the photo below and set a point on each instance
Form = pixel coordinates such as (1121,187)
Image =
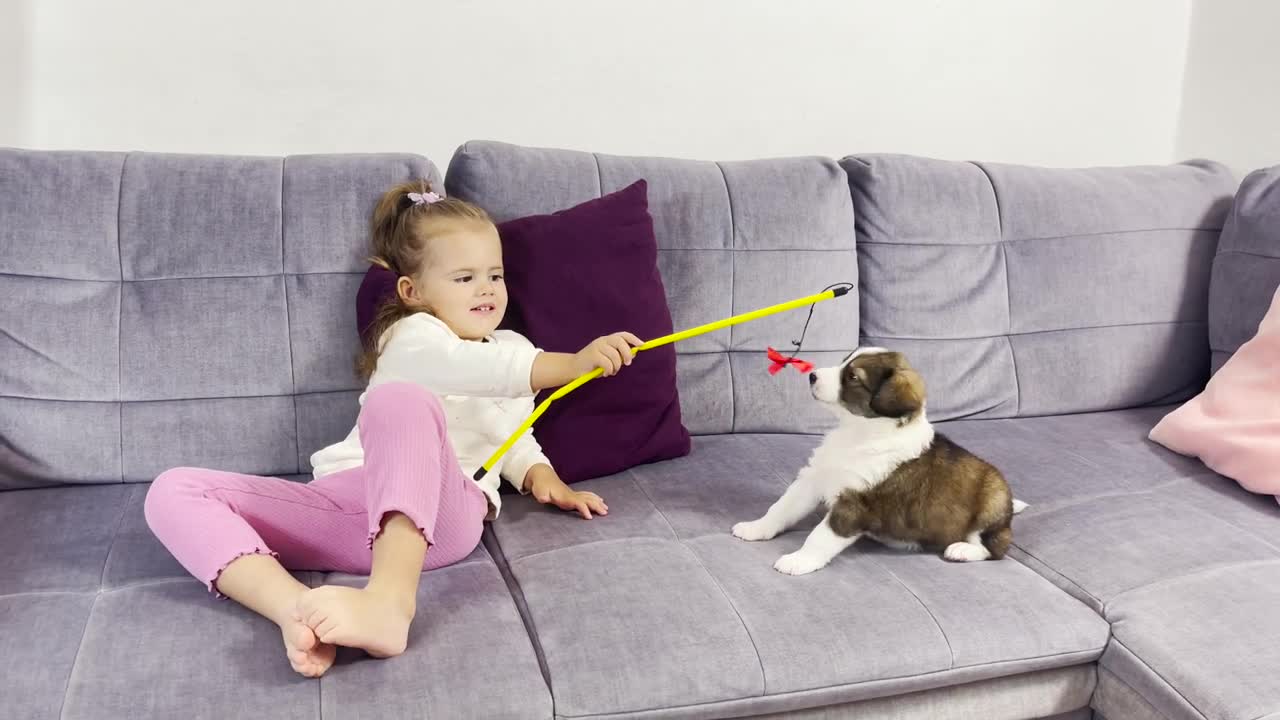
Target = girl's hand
(547,488)
(609,353)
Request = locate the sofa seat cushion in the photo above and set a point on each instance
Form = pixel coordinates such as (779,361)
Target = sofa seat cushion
(1202,645)
(1184,563)
(102,622)
(657,606)
(1111,511)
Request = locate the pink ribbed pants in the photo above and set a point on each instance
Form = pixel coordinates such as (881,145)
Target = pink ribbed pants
(208,518)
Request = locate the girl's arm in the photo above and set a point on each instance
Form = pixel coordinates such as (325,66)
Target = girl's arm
(609,353)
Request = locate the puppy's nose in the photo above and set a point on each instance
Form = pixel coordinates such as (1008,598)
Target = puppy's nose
(813,378)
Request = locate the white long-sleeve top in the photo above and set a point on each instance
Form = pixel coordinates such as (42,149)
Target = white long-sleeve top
(483,386)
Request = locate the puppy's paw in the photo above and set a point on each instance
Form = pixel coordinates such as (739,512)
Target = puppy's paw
(965,552)
(797,563)
(754,530)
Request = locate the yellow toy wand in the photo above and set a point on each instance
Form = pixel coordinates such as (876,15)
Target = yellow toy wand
(581,380)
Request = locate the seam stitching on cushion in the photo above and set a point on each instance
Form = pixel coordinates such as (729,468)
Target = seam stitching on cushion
(591,543)
(1108,326)
(1049,507)
(120,321)
(522,608)
(71,673)
(150,583)
(1069,236)
(1017,382)
(733,279)
(1147,665)
(764,685)
(115,535)
(1208,570)
(1143,699)
(807,691)
(1101,605)
(353,273)
(996,196)
(950,650)
(165,400)
(1008,291)
(288,326)
(1249,254)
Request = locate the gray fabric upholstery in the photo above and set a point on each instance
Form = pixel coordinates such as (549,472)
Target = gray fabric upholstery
(1246,270)
(1018,697)
(60,538)
(156,645)
(1202,644)
(1116,699)
(875,622)
(1182,562)
(1113,512)
(39,638)
(732,236)
(1031,291)
(205,309)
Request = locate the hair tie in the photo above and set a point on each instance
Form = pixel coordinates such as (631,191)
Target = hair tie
(425,198)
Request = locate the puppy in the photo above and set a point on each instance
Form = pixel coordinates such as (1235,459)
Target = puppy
(883,472)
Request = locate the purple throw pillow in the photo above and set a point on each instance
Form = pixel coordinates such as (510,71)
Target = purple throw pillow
(573,276)
(378,286)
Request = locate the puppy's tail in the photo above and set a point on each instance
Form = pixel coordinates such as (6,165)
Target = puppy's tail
(997,541)
(1019,506)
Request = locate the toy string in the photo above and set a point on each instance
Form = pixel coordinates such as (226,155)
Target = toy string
(798,344)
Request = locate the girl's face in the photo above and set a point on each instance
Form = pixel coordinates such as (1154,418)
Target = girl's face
(461,281)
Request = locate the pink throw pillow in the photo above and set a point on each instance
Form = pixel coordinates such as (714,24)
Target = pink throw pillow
(1233,426)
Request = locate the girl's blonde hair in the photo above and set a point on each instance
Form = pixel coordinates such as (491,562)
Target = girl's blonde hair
(404,221)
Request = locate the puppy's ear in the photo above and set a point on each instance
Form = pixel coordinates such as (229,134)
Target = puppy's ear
(899,394)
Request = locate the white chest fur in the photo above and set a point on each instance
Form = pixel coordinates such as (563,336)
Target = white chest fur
(860,453)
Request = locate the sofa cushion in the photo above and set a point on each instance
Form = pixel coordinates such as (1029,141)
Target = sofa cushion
(205,307)
(657,606)
(732,237)
(1110,510)
(39,637)
(1246,270)
(1202,645)
(1013,289)
(1183,562)
(93,608)
(59,538)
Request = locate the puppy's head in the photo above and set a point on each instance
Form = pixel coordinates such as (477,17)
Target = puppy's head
(871,383)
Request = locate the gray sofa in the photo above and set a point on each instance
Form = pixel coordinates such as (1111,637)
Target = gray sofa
(164,310)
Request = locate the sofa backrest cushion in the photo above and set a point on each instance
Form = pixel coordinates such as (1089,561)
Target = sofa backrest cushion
(1246,269)
(1033,291)
(165,310)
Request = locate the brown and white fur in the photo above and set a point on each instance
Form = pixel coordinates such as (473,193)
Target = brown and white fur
(885,473)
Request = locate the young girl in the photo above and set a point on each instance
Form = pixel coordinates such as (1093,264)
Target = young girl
(393,498)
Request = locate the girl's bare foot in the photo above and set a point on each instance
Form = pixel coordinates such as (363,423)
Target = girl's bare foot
(375,622)
(310,657)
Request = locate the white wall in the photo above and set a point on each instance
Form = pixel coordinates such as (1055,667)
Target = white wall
(1231,96)
(1056,82)
(15,72)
